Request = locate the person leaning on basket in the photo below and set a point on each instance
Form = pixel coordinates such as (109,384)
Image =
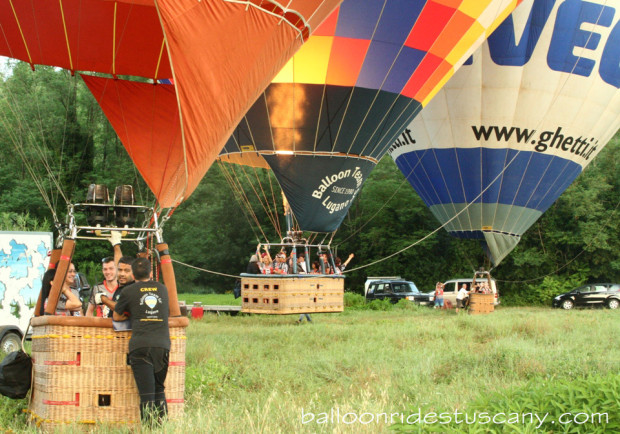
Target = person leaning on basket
(461,298)
(145,303)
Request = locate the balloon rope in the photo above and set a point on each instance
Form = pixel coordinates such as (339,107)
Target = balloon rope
(36,179)
(272,212)
(385,203)
(438,228)
(44,159)
(205,270)
(239,184)
(275,204)
(14,107)
(263,197)
(573,259)
(241,199)
(266,204)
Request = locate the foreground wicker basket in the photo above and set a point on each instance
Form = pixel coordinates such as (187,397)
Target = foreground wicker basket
(80,372)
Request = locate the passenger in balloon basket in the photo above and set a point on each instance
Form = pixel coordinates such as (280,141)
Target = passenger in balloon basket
(301,269)
(280,267)
(69,303)
(145,304)
(323,263)
(301,265)
(462,298)
(340,267)
(124,275)
(266,264)
(316,268)
(253,267)
(107,288)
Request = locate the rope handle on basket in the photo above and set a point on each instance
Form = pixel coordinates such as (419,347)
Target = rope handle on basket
(32,371)
(26,334)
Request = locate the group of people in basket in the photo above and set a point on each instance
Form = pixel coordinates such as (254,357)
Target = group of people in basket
(295,264)
(127,293)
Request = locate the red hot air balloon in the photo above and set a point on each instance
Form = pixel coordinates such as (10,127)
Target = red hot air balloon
(220,53)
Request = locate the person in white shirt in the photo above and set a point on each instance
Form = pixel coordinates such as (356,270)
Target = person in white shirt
(461,298)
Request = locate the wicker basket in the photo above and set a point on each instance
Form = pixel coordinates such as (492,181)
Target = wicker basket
(80,372)
(481,303)
(287,294)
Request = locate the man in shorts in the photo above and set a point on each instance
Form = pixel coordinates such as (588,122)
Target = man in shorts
(461,298)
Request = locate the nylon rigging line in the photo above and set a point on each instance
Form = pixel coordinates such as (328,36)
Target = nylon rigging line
(205,270)
(244,205)
(572,260)
(266,205)
(264,195)
(272,215)
(14,106)
(247,201)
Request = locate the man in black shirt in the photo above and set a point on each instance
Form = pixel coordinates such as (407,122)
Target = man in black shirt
(145,303)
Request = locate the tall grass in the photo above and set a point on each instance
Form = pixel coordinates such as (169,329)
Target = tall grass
(253,373)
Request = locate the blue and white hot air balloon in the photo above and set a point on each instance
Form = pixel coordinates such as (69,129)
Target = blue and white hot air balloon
(518,122)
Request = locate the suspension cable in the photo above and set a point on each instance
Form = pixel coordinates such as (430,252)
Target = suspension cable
(205,270)
(242,200)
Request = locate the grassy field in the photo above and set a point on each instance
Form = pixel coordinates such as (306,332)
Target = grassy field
(253,373)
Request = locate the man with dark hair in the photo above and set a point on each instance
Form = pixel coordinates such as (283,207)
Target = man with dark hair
(145,303)
(124,275)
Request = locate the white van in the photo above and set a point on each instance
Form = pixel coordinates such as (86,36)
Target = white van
(23,260)
(452,286)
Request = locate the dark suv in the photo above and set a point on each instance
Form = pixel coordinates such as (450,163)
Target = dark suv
(395,290)
(592,294)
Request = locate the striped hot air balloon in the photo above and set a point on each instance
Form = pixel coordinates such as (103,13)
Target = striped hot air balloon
(337,106)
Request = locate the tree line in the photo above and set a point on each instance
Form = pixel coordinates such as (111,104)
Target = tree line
(56,141)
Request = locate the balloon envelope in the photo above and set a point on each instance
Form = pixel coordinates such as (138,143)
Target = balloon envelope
(512,130)
(336,107)
(221,55)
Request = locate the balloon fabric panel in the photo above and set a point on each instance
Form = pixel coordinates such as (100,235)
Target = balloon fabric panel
(85,35)
(145,118)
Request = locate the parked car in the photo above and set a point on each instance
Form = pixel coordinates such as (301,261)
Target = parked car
(395,290)
(592,294)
